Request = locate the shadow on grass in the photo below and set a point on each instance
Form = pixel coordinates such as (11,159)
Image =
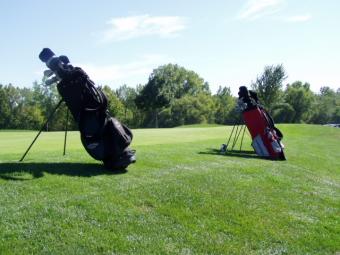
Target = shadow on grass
(233,153)
(16,171)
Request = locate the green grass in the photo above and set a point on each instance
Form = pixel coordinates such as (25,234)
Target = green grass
(181,197)
(199,126)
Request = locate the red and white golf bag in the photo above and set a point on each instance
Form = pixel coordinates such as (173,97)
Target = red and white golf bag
(266,137)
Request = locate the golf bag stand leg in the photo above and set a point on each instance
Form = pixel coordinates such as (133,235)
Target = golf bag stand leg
(244,129)
(231,134)
(43,127)
(66,127)
(237,136)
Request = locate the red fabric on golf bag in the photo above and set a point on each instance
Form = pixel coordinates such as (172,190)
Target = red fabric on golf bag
(266,141)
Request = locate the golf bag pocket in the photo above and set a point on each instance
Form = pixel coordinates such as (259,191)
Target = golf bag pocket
(259,147)
(94,147)
(121,136)
(276,146)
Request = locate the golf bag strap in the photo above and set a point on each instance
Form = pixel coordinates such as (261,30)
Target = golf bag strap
(268,118)
(271,124)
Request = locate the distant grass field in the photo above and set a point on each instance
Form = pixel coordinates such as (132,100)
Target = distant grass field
(181,197)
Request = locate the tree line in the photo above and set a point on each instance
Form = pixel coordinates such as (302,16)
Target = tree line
(175,96)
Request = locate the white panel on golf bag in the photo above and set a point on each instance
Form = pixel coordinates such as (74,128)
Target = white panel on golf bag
(259,147)
(276,146)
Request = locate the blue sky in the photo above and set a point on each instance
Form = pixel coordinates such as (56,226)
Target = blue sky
(227,43)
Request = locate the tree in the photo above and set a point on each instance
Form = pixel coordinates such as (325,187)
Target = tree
(269,86)
(14,101)
(18,109)
(327,91)
(336,115)
(325,109)
(189,110)
(127,96)
(46,98)
(283,113)
(5,111)
(300,98)
(167,83)
(32,118)
(116,107)
(225,103)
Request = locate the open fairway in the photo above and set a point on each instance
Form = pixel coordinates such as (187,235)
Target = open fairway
(181,197)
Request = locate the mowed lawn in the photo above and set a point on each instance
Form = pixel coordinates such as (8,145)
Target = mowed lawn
(181,197)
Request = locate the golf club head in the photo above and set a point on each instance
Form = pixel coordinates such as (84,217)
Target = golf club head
(46,54)
(64,59)
(51,81)
(48,73)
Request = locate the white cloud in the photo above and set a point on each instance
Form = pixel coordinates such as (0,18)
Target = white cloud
(299,18)
(124,28)
(255,9)
(129,73)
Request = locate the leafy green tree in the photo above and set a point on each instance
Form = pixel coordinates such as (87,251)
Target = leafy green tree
(189,110)
(167,83)
(269,86)
(46,99)
(299,96)
(127,96)
(116,107)
(325,106)
(225,104)
(14,101)
(327,91)
(18,109)
(32,118)
(336,115)
(5,111)
(283,113)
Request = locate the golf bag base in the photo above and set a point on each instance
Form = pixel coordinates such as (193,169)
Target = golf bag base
(106,139)
(126,158)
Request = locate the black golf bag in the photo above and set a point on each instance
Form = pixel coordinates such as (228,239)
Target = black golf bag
(102,136)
